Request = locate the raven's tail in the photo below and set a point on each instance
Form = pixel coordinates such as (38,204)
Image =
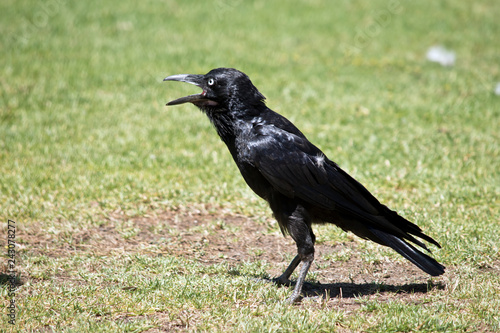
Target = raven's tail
(421,260)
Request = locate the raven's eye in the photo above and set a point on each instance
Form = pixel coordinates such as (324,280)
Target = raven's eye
(211,82)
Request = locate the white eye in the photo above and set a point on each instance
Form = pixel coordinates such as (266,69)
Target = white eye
(211,82)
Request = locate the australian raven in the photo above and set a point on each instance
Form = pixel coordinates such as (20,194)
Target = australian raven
(301,185)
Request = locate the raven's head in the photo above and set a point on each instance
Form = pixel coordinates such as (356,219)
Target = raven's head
(222,88)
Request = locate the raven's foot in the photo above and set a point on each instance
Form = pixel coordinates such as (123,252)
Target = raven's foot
(295,297)
(282,281)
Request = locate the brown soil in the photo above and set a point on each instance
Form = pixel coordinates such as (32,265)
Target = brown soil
(216,237)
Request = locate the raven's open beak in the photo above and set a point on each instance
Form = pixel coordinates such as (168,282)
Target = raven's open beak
(197,80)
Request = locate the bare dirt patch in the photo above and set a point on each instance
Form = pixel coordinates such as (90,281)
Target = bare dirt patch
(215,237)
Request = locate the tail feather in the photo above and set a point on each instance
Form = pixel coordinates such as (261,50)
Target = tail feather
(409,228)
(421,260)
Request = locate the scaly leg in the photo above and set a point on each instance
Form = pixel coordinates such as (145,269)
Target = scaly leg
(300,280)
(294,218)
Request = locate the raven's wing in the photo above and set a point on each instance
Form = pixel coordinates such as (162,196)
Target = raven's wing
(298,169)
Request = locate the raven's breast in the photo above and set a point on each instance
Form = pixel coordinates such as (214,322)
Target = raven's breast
(255,180)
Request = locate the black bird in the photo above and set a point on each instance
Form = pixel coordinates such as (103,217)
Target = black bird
(301,185)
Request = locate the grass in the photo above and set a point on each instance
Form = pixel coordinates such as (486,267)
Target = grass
(85,137)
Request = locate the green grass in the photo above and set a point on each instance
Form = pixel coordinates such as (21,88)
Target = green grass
(84,133)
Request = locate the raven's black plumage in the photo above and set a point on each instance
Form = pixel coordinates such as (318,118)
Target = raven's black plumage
(300,183)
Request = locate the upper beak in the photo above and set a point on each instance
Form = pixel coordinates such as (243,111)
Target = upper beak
(197,80)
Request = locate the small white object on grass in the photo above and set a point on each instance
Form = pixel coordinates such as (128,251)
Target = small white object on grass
(497,89)
(441,55)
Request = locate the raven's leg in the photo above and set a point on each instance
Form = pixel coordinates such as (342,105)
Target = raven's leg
(299,227)
(285,277)
(294,219)
(300,281)
(306,255)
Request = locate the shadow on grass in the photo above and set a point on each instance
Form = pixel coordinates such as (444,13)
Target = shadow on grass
(352,290)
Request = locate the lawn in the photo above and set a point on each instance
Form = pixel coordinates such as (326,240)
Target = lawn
(131,216)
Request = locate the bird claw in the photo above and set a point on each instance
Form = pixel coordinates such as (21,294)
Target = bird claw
(294,298)
(281,281)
